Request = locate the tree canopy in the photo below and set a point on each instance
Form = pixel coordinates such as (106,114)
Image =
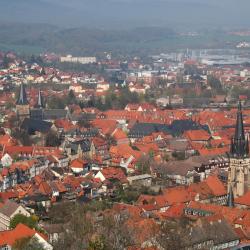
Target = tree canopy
(31,221)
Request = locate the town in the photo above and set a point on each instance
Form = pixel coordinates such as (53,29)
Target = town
(110,153)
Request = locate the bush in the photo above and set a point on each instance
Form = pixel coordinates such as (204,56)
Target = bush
(31,221)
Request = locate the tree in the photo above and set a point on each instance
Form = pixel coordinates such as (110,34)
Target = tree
(110,140)
(28,244)
(97,244)
(6,62)
(31,221)
(22,136)
(215,84)
(172,234)
(179,155)
(83,123)
(144,163)
(116,233)
(71,98)
(56,103)
(52,139)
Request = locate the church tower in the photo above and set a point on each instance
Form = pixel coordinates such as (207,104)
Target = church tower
(22,104)
(40,102)
(239,161)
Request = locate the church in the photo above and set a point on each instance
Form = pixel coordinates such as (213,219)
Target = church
(39,111)
(239,160)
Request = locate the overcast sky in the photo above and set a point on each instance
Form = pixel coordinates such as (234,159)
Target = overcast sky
(189,14)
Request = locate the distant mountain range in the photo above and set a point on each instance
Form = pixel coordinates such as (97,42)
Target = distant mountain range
(91,26)
(113,14)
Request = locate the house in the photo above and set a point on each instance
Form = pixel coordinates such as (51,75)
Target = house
(80,148)
(176,100)
(37,200)
(140,180)
(112,174)
(120,136)
(78,166)
(198,136)
(54,231)
(243,201)
(103,86)
(163,102)
(210,234)
(140,130)
(210,190)
(7,140)
(10,237)
(192,170)
(7,211)
(6,160)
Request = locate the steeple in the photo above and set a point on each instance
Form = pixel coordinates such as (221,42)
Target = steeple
(22,98)
(230,198)
(239,143)
(239,130)
(40,103)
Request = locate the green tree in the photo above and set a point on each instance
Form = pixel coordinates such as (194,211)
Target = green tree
(31,221)
(97,244)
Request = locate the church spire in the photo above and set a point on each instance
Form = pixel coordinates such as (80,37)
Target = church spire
(22,98)
(239,144)
(239,130)
(40,103)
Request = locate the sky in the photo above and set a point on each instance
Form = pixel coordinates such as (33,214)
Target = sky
(117,14)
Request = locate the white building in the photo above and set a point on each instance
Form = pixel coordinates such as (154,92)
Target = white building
(82,60)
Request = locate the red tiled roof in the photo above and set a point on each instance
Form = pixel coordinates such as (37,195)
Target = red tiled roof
(114,173)
(11,236)
(243,200)
(197,135)
(78,163)
(175,211)
(216,185)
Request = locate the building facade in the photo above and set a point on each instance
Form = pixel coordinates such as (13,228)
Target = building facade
(239,160)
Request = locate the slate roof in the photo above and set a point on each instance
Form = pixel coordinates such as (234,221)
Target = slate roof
(53,114)
(9,208)
(49,114)
(143,129)
(32,126)
(89,133)
(36,114)
(85,145)
(219,231)
(177,128)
